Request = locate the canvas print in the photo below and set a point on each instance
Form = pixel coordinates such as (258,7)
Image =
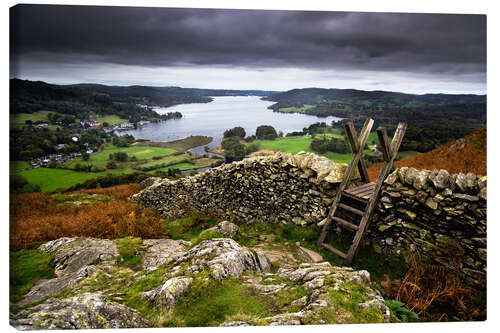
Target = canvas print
(183,167)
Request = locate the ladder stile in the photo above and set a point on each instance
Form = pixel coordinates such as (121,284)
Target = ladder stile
(368,192)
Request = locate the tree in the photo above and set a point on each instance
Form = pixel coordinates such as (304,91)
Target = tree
(111,165)
(236,131)
(85,156)
(266,132)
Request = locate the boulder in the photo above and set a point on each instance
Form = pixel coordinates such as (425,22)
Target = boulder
(167,294)
(223,257)
(160,251)
(82,311)
(308,255)
(226,228)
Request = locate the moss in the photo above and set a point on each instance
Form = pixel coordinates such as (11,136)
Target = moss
(26,267)
(204,235)
(129,248)
(187,228)
(210,303)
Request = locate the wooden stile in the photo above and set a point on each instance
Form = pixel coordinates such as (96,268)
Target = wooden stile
(366,194)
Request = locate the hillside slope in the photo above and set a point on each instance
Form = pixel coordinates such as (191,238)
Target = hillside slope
(467,154)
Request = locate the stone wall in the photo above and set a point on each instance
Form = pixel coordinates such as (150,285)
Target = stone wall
(279,188)
(433,212)
(429,211)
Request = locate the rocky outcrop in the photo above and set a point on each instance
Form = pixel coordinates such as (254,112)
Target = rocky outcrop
(321,281)
(223,257)
(73,259)
(281,187)
(160,251)
(167,294)
(441,216)
(78,312)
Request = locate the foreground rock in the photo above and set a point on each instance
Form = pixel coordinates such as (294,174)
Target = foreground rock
(282,187)
(160,251)
(74,259)
(323,283)
(78,312)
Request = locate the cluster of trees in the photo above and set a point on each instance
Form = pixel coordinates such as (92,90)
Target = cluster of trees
(266,132)
(123,141)
(31,142)
(235,132)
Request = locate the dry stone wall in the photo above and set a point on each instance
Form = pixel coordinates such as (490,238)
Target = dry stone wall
(441,216)
(279,188)
(428,211)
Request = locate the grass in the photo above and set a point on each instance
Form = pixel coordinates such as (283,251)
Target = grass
(129,247)
(51,180)
(188,228)
(169,160)
(295,144)
(209,303)
(19,120)
(179,145)
(102,158)
(27,267)
(110,119)
(302,109)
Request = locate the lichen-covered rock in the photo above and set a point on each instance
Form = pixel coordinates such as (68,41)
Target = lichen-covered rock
(45,288)
(71,254)
(73,259)
(309,255)
(223,257)
(167,294)
(281,187)
(226,228)
(78,312)
(160,251)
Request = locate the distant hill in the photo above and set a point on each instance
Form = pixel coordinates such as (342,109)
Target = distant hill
(321,100)
(31,96)
(467,154)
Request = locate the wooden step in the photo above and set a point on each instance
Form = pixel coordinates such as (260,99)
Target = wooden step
(351,209)
(345,223)
(334,250)
(354,197)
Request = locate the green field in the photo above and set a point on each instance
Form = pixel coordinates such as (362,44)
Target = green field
(294,144)
(110,119)
(140,152)
(302,109)
(181,144)
(195,164)
(169,160)
(19,120)
(52,179)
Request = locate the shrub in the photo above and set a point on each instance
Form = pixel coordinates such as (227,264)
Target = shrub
(266,132)
(236,131)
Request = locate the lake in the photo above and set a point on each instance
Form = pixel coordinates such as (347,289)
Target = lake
(212,119)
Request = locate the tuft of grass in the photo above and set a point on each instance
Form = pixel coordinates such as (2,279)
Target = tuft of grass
(344,306)
(188,228)
(211,302)
(27,267)
(204,235)
(129,248)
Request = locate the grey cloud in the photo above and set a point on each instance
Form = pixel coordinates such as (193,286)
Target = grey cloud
(421,43)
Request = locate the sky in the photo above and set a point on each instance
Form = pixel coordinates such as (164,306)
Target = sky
(249,49)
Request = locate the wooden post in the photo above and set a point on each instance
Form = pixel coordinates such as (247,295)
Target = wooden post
(357,146)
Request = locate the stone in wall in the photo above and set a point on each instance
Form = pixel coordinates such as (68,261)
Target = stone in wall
(433,212)
(278,188)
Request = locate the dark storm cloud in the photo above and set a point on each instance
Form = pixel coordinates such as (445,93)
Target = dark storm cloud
(420,43)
